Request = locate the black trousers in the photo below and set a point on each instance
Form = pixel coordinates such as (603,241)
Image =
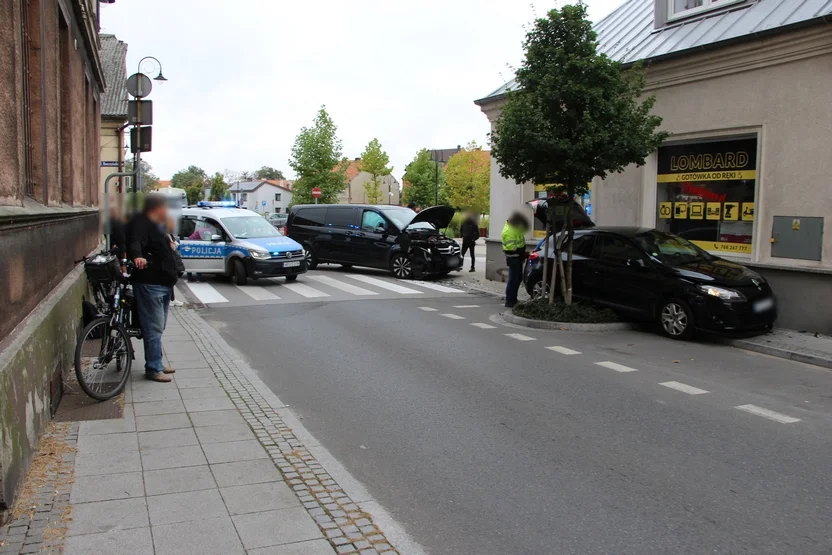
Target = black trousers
(469,245)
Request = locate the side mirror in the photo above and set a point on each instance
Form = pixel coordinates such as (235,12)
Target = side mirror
(216,238)
(381,230)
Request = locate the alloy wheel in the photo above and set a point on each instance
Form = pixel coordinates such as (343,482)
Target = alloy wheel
(674,319)
(540,289)
(401,267)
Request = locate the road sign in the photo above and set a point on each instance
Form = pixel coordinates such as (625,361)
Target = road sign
(263,203)
(137,79)
(141,141)
(143,106)
(316,192)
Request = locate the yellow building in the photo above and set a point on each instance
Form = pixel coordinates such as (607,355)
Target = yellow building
(113,106)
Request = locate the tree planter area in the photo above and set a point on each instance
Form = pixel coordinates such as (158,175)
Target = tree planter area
(579,316)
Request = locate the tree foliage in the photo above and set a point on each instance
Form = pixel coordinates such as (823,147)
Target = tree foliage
(577,114)
(268,172)
(151,181)
(469,179)
(420,177)
(375,162)
(219,188)
(317,161)
(193,180)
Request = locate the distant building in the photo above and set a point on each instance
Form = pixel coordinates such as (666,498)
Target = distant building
(356,193)
(263,196)
(113,106)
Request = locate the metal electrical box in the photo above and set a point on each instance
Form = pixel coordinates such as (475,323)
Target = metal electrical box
(797,237)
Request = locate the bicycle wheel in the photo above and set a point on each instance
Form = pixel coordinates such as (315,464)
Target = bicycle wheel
(103,358)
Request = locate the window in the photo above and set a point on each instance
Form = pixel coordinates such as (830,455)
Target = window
(371,220)
(706,193)
(277,197)
(244,197)
(310,216)
(583,246)
(342,217)
(616,250)
(682,8)
(204,230)
(186,227)
(249,227)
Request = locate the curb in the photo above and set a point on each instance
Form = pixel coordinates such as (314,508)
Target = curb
(510,317)
(781,353)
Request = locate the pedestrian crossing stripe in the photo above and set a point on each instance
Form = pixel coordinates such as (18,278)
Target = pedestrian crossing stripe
(341,286)
(396,288)
(205,293)
(257,293)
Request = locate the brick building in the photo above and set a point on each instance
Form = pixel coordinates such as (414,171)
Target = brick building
(51,81)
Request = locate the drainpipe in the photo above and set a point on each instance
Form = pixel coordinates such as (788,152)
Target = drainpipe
(120,137)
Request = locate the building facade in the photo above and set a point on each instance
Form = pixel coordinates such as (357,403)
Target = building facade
(265,197)
(113,107)
(356,193)
(743,87)
(51,81)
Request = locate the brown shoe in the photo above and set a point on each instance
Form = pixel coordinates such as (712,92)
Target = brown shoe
(167,370)
(158,377)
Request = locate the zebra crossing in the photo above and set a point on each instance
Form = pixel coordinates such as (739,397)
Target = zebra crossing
(315,286)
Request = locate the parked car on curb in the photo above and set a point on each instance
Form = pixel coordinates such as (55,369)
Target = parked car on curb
(655,276)
(219,238)
(393,238)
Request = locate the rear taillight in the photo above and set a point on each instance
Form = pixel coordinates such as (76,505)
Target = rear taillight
(534,256)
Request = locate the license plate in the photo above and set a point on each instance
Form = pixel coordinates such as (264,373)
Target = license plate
(291,264)
(763,305)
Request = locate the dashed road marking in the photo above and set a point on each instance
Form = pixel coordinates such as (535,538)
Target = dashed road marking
(436,287)
(770,414)
(684,388)
(520,337)
(483,326)
(615,366)
(453,316)
(346,287)
(394,287)
(205,293)
(305,290)
(428,309)
(563,350)
(258,293)
(466,306)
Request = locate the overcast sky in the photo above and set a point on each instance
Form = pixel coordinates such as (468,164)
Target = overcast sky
(245,76)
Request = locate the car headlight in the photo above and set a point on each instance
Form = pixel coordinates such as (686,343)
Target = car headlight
(261,255)
(724,294)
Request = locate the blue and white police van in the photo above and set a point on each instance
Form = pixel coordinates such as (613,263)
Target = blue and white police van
(220,238)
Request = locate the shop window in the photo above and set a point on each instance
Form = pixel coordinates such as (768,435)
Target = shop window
(684,8)
(705,193)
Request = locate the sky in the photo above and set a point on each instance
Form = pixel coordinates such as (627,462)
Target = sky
(244,77)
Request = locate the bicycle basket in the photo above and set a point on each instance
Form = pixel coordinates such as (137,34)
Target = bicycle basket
(103,268)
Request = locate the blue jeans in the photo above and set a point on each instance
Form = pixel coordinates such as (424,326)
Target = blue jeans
(152,302)
(515,277)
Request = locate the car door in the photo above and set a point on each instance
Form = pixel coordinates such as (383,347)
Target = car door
(202,245)
(371,243)
(628,280)
(343,223)
(308,227)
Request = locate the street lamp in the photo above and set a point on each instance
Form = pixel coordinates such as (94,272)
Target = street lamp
(160,76)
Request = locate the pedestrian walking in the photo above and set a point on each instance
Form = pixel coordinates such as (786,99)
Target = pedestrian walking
(514,247)
(470,231)
(150,250)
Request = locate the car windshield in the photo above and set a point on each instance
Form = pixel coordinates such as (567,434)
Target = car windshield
(249,227)
(401,217)
(669,248)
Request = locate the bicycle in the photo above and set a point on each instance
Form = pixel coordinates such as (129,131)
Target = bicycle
(104,352)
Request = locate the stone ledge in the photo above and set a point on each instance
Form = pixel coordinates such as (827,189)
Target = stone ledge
(511,318)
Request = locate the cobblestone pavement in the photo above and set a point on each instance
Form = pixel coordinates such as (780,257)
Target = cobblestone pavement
(39,520)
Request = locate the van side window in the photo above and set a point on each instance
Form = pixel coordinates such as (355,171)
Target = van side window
(372,220)
(342,217)
(186,227)
(310,216)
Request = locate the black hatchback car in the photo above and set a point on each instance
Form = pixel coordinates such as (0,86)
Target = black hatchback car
(656,276)
(394,238)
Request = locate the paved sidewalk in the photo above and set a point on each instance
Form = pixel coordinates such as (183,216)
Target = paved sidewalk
(207,464)
(794,345)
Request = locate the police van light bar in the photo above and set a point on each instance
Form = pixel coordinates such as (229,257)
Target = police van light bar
(217,204)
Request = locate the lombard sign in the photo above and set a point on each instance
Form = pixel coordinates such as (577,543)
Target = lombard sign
(734,160)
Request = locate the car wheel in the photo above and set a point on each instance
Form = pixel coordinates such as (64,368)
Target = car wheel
(401,267)
(291,278)
(311,259)
(240,277)
(539,288)
(676,319)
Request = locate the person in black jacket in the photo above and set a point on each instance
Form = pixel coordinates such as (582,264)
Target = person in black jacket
(148,246)
(118,233)
(470,232)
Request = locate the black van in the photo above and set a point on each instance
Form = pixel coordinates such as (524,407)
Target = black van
(390,237)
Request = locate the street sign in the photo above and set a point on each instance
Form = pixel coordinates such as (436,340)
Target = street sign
(263,203)
(146,112)
(109,163)
(316,192)
(141,141)
(137,79)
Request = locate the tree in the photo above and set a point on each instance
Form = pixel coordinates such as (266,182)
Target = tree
(469,179)
(267,172)
(374,161)
(192,180)
(317,161)
(577,114)
(420,177)
(219,189)
(151,181)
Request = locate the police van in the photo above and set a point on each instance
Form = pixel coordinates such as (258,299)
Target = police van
(220,238)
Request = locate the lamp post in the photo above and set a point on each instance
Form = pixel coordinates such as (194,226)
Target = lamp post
(139,183)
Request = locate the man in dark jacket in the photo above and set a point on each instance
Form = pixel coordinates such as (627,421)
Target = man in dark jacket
(148,246)
(470,232)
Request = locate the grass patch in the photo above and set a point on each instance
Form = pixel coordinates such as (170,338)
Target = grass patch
(577,313)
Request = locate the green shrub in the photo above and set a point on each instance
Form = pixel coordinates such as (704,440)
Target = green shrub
(577,313)
(453,228)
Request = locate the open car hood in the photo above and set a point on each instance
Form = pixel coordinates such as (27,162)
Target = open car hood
(439,216)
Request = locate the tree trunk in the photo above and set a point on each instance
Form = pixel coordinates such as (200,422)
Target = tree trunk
(570,234)
(546,256)
(558,263)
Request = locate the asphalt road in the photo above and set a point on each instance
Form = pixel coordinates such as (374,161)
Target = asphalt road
(479,442)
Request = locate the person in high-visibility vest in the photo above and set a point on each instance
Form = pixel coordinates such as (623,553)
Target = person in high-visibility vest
(514,247)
